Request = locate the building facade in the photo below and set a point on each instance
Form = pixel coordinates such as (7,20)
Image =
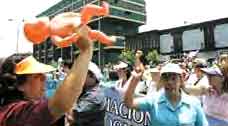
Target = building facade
(210,38)
(124,19)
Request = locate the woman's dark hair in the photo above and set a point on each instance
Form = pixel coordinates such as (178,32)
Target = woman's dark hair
(93,75)
(113,75)
(68,64)
(128,72)
(9,80)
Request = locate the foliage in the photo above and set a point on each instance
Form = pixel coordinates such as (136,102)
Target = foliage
(153,57)
(127,55)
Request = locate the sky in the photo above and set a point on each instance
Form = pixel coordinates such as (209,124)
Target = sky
(164,14)
(12,14)
(161,14)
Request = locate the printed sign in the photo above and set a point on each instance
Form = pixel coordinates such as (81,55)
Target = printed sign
(118,114)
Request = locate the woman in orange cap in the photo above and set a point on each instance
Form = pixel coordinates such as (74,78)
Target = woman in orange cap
(22,88)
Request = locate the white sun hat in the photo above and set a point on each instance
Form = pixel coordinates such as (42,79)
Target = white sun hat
(95,70)
(120,65)
(171,68)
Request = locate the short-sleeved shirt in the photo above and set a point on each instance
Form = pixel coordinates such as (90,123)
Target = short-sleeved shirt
(26,113)
(188,111)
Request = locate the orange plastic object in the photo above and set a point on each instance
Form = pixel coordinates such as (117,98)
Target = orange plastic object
(64,42)
(65,24)
(91,10)
(37,31)
(63,28)
(101,37)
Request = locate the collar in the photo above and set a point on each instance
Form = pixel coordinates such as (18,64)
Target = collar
(184,98)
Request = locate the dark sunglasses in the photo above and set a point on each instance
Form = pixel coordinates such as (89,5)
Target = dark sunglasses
(122,69)
(169,76)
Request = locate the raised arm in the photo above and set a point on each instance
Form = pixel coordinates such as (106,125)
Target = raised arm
(69,91)
(132,82)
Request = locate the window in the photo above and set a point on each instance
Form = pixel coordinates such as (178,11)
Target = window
(221,37)
(193,39)
(166,43)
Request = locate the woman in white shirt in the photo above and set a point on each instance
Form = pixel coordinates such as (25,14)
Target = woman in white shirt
(215,104)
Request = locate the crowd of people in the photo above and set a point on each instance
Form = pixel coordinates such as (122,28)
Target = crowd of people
(187,91)
(180,92)
(176,92)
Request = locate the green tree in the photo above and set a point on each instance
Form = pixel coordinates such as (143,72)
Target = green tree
(153,57)
(127,55)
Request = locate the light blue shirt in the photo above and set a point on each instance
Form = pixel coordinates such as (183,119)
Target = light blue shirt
(188,111)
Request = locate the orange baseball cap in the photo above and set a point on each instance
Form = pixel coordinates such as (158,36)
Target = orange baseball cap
(30,65)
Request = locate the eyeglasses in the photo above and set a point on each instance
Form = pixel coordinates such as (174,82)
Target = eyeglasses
(170,76)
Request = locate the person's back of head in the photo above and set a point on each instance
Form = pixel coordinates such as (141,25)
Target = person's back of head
(113,76)
(68,64)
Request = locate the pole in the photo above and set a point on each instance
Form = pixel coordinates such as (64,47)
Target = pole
(18,33)
(17,44)
(99,44)
(71,47)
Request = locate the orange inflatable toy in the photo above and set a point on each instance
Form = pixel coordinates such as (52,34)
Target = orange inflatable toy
(37,30)
(63,28)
